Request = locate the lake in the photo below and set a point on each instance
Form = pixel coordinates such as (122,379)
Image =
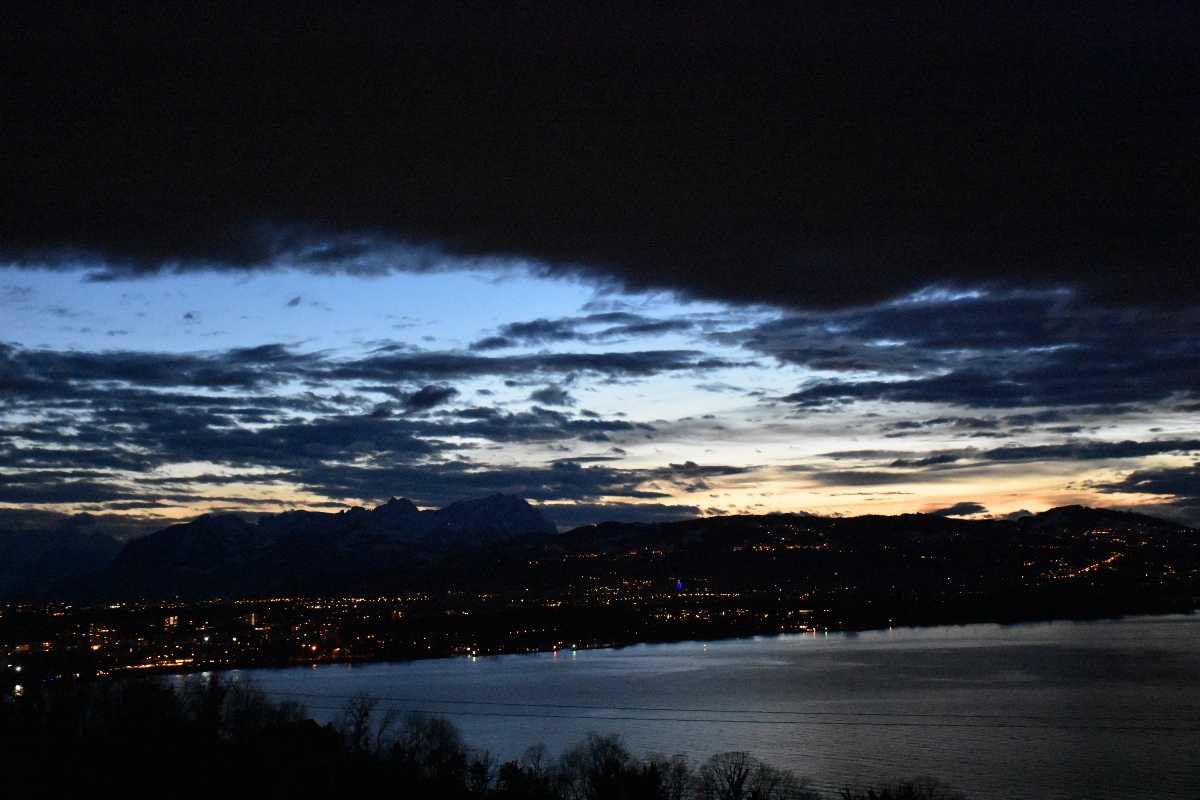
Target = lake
(1050,710)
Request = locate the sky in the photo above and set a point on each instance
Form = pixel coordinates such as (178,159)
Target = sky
(631,264)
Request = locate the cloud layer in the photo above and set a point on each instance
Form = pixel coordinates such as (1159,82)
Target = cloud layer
(989,350)
(110,428)
(824,157)
(116,429)
(946,245)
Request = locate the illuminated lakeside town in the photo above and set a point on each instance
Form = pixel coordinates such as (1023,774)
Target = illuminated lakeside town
(617,584)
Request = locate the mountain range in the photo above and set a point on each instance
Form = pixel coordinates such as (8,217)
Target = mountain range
(220,555)
(224,555)
(489,541)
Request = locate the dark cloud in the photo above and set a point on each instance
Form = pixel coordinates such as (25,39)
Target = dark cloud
(975,423)
(430,396)
(973,457)
(960,510)
(540,331)
(690,469)
(928,461)
(1182,482)
(363,458)
(690,476)
(61,374)
(387,366)
(49,372)
(1089,451)
(1026,420)
(836,155)
(536,424)
(647,328)
(989,350)
(1180,486)
(140,435)
(493,343)
(45,489)
(602,327)
(74,432)
(438,483)
(71,452)
(553,395)
(292,444)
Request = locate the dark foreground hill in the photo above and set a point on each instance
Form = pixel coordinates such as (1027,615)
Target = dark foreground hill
(208,737)
(226,556)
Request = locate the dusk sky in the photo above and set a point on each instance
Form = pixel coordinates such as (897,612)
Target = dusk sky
(635,264)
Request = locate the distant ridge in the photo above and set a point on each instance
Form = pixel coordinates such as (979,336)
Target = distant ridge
(226,556)
(383,549)
(37,560)
(1076,515)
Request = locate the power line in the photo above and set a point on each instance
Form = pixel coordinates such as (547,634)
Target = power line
(858,723)
(891,719)
(676,709)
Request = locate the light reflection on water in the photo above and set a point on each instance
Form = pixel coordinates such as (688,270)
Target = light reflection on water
(1053,710)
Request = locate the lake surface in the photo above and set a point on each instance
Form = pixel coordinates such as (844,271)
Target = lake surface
(1052,710)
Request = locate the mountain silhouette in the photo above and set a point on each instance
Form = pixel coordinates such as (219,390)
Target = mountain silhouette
(223,555)
(397,547)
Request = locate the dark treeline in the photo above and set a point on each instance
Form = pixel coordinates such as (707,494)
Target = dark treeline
(143,738)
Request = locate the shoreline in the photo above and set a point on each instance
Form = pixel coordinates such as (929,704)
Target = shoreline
(615,646)
(55,643)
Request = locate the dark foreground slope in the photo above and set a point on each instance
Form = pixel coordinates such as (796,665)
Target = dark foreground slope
(210,738)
